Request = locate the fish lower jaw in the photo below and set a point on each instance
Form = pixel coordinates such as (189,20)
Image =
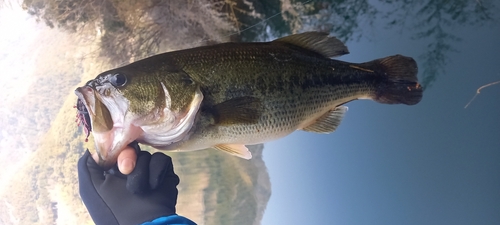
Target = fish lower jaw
(110,144)
(103,143)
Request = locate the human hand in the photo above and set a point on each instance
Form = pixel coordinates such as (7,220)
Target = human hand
(147,192)
(126,159)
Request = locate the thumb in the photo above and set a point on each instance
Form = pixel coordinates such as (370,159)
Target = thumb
(126,160)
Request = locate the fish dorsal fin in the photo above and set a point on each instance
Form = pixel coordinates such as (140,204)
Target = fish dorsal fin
(235,149)
(318,42)
(328,122)
(246,110)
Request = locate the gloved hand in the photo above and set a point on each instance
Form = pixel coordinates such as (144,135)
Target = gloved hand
(147,193)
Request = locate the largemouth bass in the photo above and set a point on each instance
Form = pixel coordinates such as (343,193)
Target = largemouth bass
(229,95)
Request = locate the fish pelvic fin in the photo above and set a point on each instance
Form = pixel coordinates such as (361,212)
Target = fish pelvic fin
(401,86)
(328,122)
(318,42)
(235,149)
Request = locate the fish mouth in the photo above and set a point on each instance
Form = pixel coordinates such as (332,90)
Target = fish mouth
(97,119)
(83,118)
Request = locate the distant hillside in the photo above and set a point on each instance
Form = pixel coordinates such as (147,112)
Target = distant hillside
(221,189)
(40,143)
(215,188)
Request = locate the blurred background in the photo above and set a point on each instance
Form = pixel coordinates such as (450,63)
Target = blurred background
(433,163)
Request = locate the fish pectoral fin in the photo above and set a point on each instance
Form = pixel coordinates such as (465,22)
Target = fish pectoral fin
(242,110)
(235,149)
(328,122)
(318,42)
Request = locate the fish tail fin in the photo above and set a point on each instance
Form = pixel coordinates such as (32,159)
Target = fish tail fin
(401,86)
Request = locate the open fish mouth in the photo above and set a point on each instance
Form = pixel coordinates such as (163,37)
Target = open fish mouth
(83,118)
(95,117)
(109,132)
(98,117)
(85,106)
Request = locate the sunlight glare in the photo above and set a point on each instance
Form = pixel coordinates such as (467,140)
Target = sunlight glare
(17,52)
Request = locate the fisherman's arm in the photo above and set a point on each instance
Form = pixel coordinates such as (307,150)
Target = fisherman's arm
(147,195)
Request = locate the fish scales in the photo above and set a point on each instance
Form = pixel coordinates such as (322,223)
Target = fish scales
(228,95)
(294,87)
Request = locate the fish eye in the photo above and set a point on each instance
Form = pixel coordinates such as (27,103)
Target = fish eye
(118,80)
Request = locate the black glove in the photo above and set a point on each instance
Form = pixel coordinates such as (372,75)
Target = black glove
(149,192)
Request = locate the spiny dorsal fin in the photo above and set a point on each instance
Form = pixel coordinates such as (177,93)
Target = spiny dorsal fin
(318,42)
(328,122)
(245,110)
(235,149)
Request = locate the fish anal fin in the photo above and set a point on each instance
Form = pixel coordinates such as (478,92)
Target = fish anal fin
(328,122)
(242,110)
(235,149)
(318,42)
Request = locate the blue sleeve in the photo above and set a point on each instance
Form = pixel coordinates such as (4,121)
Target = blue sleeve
(171,220)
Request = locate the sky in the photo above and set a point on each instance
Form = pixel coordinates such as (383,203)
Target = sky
(432,163)
(15,56)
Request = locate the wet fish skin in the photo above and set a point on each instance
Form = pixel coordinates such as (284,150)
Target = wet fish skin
(228,95)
